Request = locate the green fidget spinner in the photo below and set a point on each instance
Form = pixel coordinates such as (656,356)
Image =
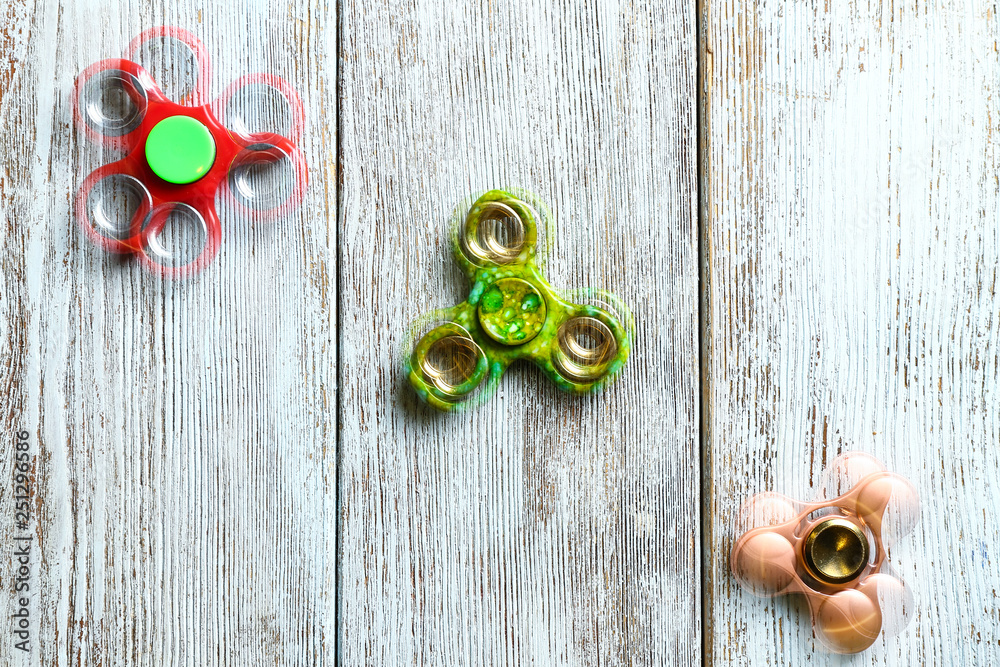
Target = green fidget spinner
(513,313)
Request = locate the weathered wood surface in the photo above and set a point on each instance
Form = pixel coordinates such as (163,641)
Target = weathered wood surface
(184,431)
(851,214)
(541,528)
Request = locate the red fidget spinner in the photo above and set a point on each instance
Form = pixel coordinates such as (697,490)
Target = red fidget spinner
(179,154)
(833,551)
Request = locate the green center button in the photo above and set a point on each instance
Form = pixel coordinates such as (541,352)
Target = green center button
(180,149)
(511,311)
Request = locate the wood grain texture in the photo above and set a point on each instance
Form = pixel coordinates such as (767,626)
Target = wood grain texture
(541,528)
(851,213)
(184,430)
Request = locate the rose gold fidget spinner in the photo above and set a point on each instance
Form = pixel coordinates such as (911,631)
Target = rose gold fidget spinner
(833,551)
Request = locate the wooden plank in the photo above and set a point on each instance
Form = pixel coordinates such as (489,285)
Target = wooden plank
(540,528)
(182,432)
(851,211)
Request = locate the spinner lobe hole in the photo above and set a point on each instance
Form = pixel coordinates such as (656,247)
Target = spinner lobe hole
(263,177)
(450,362)
(499,236)
(180,239)
(113,102)
(585,346)
(115,204)
(173,64)
(256,108)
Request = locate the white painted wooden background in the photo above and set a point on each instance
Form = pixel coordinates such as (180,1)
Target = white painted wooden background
(541,529)
(231,470)
(185,431)
(851,240)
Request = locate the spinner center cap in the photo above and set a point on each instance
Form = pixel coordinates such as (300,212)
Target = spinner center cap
(180,149)
(511,311)
(836,551)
